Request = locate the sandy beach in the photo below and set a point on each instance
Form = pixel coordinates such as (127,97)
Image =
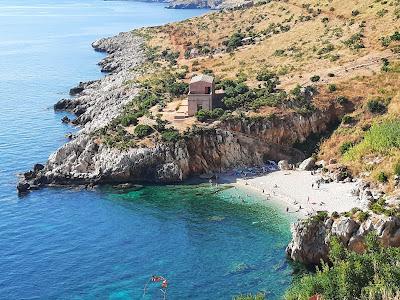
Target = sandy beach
(298,191)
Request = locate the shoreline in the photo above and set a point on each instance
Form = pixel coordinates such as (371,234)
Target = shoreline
(298,193)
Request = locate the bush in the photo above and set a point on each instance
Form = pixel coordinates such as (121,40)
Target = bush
(128,119)
(170,135)
(143,130)
(178,88)
(332,87)
(342,100)
(234,41)
(265,75)
(382,177)
(352,276)
(315,78)
(379,139)
(347,119)
(355,41)
(203,115)
(376,106)
(363,216)
(346,146)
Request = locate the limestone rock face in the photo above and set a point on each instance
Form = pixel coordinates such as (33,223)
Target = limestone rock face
(308,244)
(344,228)
(310,238)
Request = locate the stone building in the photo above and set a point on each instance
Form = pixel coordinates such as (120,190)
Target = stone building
(201,94)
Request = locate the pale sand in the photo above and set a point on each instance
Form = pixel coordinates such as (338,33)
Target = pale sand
(293,188)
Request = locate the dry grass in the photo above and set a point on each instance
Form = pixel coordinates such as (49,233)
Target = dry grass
(333,25)
(316,46)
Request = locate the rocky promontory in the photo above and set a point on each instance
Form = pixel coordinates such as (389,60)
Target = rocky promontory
(310,237)
(86,160)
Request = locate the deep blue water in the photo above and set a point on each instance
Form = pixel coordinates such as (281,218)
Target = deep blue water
(105,244)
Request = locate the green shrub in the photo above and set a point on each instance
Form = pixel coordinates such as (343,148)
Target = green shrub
(342,100)
(347,119)
(376,106)
(234,41)
(265,75)
(332,87)
(378,207)
(363,216)
(328,48)
(143,130)
(382,177)
(315,78)
(170,135)
(346,146)
(379,139)
(178,88)
(203,115)
(355,41)
(128,119)
(321,216)
(369,275)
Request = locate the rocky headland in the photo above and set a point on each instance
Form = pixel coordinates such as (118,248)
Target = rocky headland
(310,237)
(216,147)
(236,142)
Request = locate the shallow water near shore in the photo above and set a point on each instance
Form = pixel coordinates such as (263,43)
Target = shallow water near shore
(106,243)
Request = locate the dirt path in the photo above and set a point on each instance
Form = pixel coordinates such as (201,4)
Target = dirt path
(363,66)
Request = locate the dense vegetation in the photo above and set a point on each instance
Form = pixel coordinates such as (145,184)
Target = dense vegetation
(372,275)
(380,138)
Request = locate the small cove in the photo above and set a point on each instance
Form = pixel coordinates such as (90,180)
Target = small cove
(106,243)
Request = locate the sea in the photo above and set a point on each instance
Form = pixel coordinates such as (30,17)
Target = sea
(70,243)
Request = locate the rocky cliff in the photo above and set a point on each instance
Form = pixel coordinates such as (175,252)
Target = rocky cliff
(310,237)
(232,143)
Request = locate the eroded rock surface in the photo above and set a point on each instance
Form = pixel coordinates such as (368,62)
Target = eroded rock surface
(310,237)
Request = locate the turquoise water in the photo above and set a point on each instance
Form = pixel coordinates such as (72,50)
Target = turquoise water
(105,244)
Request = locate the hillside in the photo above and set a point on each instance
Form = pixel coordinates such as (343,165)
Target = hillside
(347,51)
(299,77)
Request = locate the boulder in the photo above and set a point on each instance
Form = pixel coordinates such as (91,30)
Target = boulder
(309,243)
(344,228)
(75,90)
(307,164)
(283,165)
(38,167)
(65,119)
(23,187)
